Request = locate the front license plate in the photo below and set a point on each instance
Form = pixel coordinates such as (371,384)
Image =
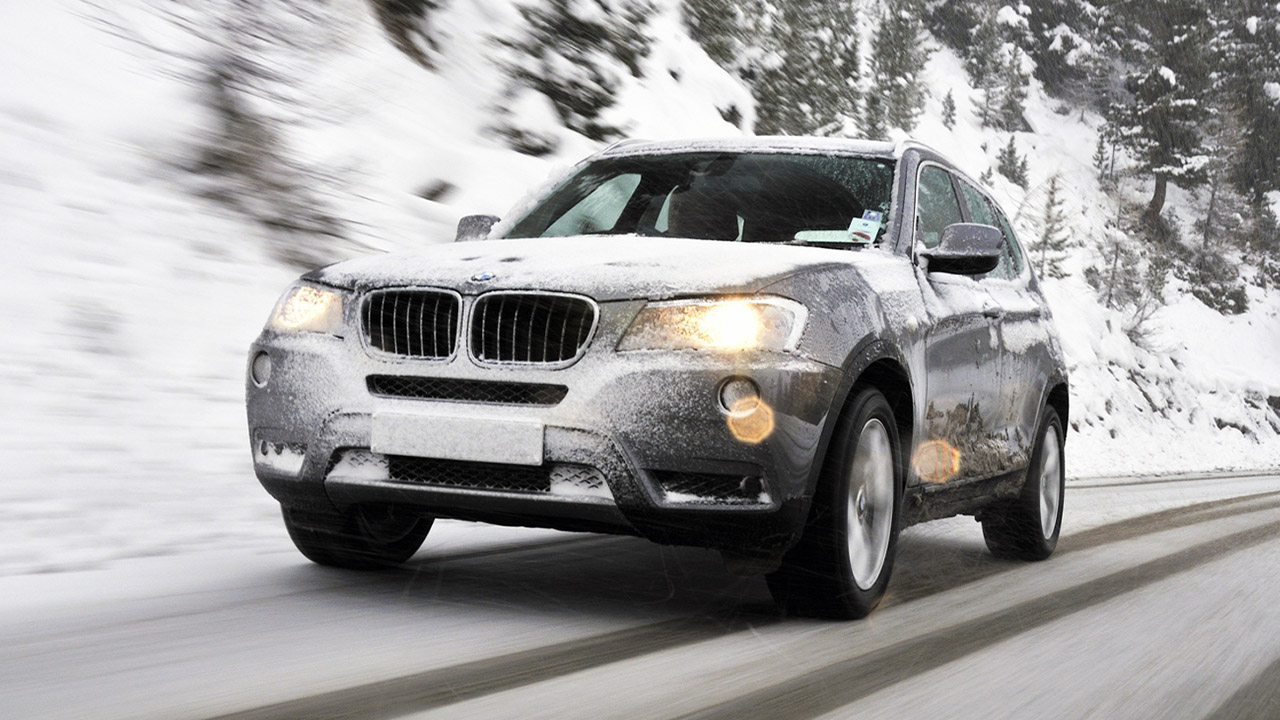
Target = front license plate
(516,442)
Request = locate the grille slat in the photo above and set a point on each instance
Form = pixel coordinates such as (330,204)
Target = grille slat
(477,391)
(389,322)
(520,328)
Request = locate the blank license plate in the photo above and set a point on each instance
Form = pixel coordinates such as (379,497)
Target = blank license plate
(444,437)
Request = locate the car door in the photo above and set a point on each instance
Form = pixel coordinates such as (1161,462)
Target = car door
(1025,344)
(962,359)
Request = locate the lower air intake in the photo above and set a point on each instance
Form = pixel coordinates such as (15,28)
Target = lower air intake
(678,486)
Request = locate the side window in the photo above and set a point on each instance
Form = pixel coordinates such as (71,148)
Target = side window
(1011,259)
(598,211)
(936,205)
(979,210)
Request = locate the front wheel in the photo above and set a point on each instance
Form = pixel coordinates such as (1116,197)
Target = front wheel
(1027,528)
(364,537)
(841,566)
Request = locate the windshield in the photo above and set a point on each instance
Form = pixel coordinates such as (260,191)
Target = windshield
(742,197)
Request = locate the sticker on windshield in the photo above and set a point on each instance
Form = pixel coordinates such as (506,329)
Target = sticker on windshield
(866,228)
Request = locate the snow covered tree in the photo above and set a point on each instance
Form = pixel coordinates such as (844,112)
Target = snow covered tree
(1161,124)
(1011,165)
(1100,155)
(1249,81)
(727,30)
(982,51)
(898,56)
(1012,86)
(949,110)
(873,123)
(952,22)
(257,68)
(1061,40)
(994,62)
(807,82)
(407,24)
(799,57)
(1049,249)
(576,54)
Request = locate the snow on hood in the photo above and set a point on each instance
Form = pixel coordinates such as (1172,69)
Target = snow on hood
(603,267)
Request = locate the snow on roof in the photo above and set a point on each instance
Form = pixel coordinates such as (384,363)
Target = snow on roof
(774,143)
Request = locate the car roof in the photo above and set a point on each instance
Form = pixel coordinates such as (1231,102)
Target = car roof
(773,143)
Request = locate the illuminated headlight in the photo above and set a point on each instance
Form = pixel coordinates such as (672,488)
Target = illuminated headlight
(306,308)
(729,324)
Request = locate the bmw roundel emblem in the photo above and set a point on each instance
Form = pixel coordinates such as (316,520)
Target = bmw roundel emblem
(483,276)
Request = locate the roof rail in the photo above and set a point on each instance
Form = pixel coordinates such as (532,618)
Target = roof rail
(902,145)
(624,142)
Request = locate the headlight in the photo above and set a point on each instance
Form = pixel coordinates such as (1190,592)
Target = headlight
(729,324)
(306,308)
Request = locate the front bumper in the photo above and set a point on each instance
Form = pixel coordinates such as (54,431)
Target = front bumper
(645,429)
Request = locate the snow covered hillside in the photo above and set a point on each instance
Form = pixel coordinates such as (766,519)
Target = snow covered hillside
(134,284)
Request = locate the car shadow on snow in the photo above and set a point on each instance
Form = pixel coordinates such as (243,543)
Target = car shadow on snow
(629,578)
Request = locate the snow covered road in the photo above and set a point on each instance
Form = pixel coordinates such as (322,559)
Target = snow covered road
(1159,603)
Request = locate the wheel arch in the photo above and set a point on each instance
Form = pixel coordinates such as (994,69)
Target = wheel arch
(879,365)
(1059,399)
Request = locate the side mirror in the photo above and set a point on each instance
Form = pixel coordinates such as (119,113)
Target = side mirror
(475,227)
(966,249)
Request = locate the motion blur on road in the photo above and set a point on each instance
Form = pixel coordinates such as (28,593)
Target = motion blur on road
(1159,603)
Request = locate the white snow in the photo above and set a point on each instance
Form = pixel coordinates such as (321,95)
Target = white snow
(131,298)
(1170,76)
(1008,16)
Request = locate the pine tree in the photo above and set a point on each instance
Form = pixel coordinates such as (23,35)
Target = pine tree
(1250,74)
(807,79)
(1049,250)
(983,50)
(982,62)
(576,54)
(1161,123)
(1062,41)
(873,118)
(1011,165)
(723,28)
(1100,156)
(949,110)
(1012,91)
(407,24)
(898,57)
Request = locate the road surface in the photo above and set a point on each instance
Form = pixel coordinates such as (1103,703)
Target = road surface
(1160,602)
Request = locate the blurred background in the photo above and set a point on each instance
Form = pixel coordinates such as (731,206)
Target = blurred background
(167,167)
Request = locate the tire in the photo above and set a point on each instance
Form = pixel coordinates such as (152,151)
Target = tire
(841,566)
(1027,528)
(366,537)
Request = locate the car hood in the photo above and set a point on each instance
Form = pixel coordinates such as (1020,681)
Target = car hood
(602,267)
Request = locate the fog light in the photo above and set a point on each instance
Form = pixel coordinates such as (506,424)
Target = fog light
(739,396)
(260,369)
